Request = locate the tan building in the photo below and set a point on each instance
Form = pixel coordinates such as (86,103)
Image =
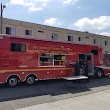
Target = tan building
(21,28)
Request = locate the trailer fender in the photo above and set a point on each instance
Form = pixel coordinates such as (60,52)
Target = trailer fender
(13,75)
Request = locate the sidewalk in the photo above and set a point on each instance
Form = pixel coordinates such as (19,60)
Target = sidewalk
(95,101)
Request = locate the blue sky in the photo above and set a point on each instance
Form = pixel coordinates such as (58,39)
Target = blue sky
(82,15)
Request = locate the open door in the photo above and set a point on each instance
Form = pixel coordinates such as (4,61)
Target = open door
(90,61)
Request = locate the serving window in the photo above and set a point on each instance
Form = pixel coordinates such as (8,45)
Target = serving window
(46,59)
(59,60)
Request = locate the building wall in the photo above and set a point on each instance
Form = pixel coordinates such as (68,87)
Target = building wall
(45,32)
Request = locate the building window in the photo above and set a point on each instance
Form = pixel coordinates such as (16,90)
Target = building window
(79,38)
(54,36)
(28,32)
(18,47)
(70,38)
(106,42)
(10,31)
(95,41)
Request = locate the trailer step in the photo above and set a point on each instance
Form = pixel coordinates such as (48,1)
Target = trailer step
(75,77)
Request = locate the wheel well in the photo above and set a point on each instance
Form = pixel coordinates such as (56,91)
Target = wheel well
(102,71)
(99,69)
(15,76)
(31,75)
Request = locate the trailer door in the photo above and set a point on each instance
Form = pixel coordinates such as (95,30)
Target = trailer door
(90,60)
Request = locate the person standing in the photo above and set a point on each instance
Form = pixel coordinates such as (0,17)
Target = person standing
(77,69)
(86,70)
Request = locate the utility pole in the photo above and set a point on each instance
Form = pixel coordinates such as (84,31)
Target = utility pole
(1,18)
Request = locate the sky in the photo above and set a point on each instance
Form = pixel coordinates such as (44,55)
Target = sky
(80,15)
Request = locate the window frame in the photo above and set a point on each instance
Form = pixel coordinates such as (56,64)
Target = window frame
(60,60)
(43,64)
(106,42)
(53,61)
(95,41)
(54,36)
(10,30)
(79,38)
(28,32)
(71,38)
(17,44)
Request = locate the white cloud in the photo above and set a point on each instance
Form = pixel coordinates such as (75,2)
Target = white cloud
(105,33)
(33,5)
(69,2)
(52,22)
(100,23)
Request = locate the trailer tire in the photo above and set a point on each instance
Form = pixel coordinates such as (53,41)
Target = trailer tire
(12,81)
(99,73)
(30,80)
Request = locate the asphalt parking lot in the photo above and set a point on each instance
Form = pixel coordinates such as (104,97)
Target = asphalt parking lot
(47,91)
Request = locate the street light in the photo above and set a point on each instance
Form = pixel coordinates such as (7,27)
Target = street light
(2,8)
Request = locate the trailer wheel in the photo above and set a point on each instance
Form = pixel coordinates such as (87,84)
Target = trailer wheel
(99,73)
(12,81)
(30,80)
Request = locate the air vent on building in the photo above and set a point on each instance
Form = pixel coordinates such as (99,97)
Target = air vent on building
(40,31)
(87,37)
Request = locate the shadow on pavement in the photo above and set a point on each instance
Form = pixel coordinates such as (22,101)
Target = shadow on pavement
(50,87)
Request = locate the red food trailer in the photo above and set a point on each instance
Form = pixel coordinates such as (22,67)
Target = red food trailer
(25,59)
